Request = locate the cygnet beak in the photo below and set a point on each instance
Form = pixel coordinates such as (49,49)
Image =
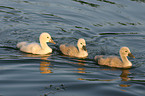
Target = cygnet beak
(130,55)
(84,48)
(51,41)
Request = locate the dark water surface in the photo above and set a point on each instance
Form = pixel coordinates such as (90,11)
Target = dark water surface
(106,25)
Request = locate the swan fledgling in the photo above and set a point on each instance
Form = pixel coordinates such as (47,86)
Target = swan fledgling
(36,48)
(114,61)
(72,51)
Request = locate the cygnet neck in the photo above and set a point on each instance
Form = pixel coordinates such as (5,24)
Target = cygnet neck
(43,44)
(125,61)
(81,50)
(82,53)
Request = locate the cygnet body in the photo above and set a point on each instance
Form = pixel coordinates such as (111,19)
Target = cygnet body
(114,61)
(36,48)
(80,52)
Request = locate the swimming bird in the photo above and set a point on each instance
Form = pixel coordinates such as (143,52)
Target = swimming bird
(114,61)
(36,48)
(70,50)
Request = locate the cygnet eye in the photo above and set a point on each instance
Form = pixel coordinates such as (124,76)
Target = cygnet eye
(81,43)
(47,37)
(125,51)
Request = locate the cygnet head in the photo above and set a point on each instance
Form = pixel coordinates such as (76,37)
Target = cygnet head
(45,37)
(82,44)
(124,51)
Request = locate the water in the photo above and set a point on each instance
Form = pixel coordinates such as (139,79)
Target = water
(106,25)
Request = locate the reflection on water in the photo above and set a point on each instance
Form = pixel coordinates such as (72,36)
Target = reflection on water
(80,63)
(81,70)
(44,64)
(123,76)
(44,68)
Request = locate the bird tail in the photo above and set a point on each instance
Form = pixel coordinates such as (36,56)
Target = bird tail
(96,58)
(62,48)
(20,44)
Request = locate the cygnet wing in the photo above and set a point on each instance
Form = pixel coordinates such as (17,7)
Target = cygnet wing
(112,61)
(69,50)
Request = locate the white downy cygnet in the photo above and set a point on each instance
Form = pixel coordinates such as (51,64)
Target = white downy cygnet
(36,48)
